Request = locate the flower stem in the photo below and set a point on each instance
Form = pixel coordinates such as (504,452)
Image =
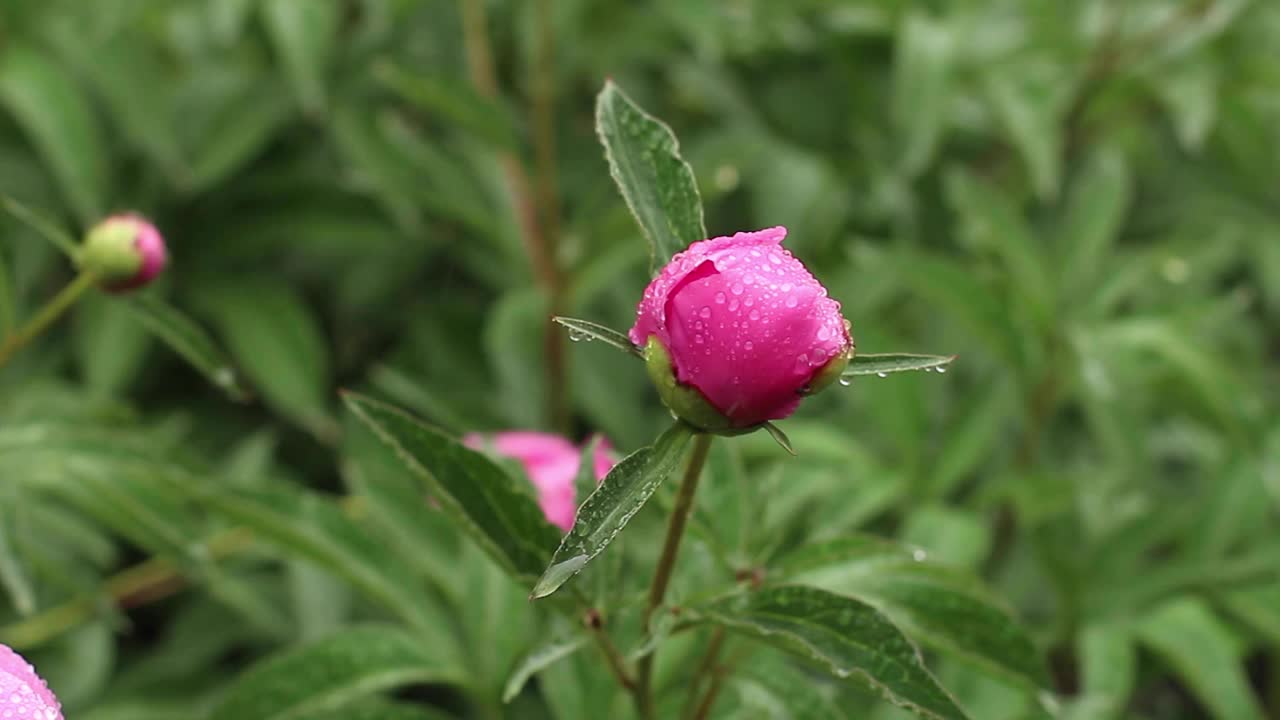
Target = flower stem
(667,560)
(46,316)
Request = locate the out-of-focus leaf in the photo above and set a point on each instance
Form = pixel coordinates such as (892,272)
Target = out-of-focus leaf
(479,495)
(53,112)
(658,185)
(1029,108)
(537,661)
(990,222)
(189,341)
(852,639)
(276,338)
(14,578)
(941,607)
(377,709)
(921,84)
(1204,654)
(1095,211)
(110,344)
(620,496)
(455,102)
(303,32)
(327,674)
(43,226)
(310,527)
(954,292)
(1108,660)
(884,363)
(236,134)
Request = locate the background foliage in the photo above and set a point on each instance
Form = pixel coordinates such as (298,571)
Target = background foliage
(1079,198)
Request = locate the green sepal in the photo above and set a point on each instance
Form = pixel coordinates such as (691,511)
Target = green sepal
(829,373)
(685,402)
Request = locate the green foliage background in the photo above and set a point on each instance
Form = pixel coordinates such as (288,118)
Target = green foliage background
(1079,198)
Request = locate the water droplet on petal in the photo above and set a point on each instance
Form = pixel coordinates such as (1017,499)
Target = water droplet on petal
(719,298)
(733,305)
(748,345)
(705,312)
(755,315)
(736,289)
(824,333)
(791,301)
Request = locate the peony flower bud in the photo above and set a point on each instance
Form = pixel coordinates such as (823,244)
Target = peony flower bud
(736,331)
(552,465)
(124,251)
(22,693)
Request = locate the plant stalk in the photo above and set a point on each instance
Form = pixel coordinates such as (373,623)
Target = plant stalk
(537,212)
(666,563)
(46,316)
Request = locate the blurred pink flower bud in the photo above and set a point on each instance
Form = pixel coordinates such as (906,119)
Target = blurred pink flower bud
(746,325)
(124,251)
(552,465)
(22,693)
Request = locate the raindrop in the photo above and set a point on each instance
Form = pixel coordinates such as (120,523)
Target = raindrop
(941,370)
(882,374)
(824,333)
(748,345)
(791,301)
(755,315)
(698,339)
(736,289)
(845,381)
(749,279)
(733,305)
(719,298)
(919,555)
(749,301)
(705,312)
(773,258)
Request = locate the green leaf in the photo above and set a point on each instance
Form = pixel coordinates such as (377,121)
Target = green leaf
(1095,211)
(1029,106)
(1205,654)
(110,344)
(478,494)
(14,578)
(991,222)
(620,496)
(537,661)
(658,185)
(921,83)
(42,225)
(309,526)
(274,335)
(189,341)
(454,101)
(941,607)
(237,132)
(884,363)
(377,709)
(1108,661)
(586,330)
(303,32)
(330,673)
(50,108)
(852,639)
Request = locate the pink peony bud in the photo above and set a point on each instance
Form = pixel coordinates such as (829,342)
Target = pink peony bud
(552,464)
(22,693)
(746,325)
(124,251)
